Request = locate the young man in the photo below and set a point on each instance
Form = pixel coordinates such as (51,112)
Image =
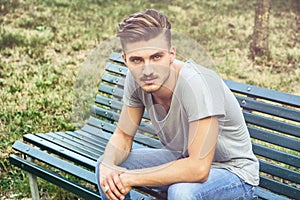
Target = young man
(207,154)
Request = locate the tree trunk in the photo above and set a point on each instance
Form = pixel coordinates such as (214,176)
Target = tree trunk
(260,46)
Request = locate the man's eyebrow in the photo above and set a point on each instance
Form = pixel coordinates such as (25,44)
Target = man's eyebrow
(135,57)
(140,57)
(158,53)
(143,48)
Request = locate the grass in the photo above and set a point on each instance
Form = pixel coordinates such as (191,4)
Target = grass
(43,44)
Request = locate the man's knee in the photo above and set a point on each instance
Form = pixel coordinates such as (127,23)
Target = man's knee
(182,191)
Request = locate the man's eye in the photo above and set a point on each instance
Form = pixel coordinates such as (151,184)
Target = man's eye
(156,57)
(136,60)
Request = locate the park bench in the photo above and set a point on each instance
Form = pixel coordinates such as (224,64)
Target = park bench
(68,159)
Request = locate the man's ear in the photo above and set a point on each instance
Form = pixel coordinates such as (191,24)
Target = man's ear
(172,54)
(124,57)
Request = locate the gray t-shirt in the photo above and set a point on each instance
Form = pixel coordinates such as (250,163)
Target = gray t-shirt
(200,93)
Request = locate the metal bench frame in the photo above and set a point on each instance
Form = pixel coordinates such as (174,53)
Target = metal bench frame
(273,119)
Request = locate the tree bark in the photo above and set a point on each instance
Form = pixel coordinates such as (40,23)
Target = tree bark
(259,46)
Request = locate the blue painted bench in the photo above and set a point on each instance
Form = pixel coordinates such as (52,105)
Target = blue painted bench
(68,159)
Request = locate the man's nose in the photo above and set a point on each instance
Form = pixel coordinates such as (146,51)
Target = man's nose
(148,69)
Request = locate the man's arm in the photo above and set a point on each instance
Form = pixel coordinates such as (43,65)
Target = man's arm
(117,150)
(195,168)
(120,143)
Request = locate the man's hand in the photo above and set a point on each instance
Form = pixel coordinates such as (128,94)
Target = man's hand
(124,177)
(111,183)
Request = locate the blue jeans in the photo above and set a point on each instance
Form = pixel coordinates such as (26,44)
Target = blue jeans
(221,183)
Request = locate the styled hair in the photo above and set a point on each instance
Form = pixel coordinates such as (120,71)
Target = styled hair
(144,26)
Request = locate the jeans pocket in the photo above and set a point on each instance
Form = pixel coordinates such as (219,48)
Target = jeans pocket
(249,194)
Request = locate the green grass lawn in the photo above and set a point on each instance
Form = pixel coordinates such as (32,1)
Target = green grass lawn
(43,44)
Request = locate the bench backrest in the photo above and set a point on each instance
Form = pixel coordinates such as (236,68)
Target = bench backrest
(273,119)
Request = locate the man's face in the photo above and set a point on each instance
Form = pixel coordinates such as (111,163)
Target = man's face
(149,62)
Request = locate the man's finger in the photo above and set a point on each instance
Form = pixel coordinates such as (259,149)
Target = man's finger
(113,191)
(118,183)
(110,195)
(105,186)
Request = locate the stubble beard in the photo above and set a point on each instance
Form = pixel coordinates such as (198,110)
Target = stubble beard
(152,88)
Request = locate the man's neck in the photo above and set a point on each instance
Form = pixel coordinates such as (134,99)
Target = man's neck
(164,95)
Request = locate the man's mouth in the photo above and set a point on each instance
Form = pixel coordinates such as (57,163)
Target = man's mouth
(149,80)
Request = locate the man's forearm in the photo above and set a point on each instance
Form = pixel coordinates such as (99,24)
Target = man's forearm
(183,170)
(117,149)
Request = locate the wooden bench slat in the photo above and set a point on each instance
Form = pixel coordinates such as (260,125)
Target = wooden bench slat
(71,147)
(276,155)
(274,138)
(85,142)
(113,79)
(265,194)
(113,116)
(64,140)
(116,68)
(272,95)
(147,128)
(55,162)
(59,150)
(106,135)
(283,112)
(69,168)
(102,138)
(278,187)
(54,178)
(272,124)
(140,138)
(96,143)
(108,114)
(100,125)
(83,137)
(117,57)
(92,137)
(111,90)
(279,171)
(112,103)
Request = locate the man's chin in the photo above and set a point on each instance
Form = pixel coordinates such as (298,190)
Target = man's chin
(150,88)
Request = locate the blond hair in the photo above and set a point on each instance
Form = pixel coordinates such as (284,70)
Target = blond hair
(144,26)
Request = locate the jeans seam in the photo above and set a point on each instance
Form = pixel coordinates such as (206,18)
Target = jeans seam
(248,192)
(232,185)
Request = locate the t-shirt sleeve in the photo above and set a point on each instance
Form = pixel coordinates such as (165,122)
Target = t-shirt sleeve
(203,96)
(131,96)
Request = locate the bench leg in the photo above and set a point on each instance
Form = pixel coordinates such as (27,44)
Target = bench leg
(33,183)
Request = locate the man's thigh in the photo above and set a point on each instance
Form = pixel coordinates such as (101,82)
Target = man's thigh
(221,184)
